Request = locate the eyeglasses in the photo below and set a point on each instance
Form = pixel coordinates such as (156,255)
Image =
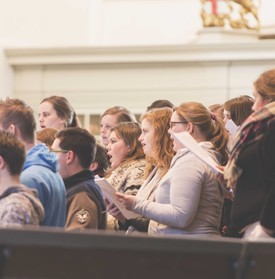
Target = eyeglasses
(59,150)
(175,123)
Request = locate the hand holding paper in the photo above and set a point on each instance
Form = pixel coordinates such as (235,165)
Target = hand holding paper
(110,194)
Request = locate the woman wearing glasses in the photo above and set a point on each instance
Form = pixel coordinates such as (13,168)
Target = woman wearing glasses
(189,198)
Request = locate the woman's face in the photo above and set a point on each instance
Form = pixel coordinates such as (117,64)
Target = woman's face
(147,138)
(259,101)
(226,116)
(117,149)
(107,123)
(177,126)
(48,117)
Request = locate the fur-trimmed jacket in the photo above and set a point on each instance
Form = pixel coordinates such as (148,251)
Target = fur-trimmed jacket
(128,177)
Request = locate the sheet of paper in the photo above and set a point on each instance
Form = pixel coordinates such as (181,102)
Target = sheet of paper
(109,193)
(231,127)
(189,142)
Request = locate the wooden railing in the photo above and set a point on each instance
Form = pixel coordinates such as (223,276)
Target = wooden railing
(50,253)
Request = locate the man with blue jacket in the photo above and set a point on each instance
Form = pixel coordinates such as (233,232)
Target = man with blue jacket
(40,170)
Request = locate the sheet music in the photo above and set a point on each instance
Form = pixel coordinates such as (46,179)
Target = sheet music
(109,193)
(231,127)
(189,142)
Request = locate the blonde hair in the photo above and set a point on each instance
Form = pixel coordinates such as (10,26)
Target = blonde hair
(210,126)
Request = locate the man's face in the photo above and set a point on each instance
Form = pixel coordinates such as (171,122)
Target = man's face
(62,156)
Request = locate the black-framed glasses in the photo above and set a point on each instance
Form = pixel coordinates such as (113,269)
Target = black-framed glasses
(175,123)
(59,150)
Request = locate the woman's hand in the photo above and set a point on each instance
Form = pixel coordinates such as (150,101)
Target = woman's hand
(115,212)
(127,200)
(229,192)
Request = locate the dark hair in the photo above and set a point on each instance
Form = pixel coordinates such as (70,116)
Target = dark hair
(265,85)
(122,113)
(16,112)
(12,151)
(102,159)
(240,108)
(162,103)
(46,135)
(64,110)
(81,142)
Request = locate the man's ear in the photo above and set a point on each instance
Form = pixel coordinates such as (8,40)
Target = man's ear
(70,156)
(93,166)
(12,129)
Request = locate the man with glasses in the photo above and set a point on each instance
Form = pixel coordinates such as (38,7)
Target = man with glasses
(76,148)
(40,170)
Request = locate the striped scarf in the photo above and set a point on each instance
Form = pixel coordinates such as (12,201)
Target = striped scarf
(254,126)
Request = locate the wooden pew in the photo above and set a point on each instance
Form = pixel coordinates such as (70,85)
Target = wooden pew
(52,253)
(257,260)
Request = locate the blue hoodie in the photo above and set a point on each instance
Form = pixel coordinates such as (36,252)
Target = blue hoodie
(40,172)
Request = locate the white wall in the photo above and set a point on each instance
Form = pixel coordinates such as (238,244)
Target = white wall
(266,12)
(68,23)
(6,77)
(50,22)
(107,22)
(82,22)
(135,22)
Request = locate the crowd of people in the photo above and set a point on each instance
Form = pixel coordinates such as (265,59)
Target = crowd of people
(48,176)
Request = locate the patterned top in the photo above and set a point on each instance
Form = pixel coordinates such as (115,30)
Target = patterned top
(20,206)
(254,125)
(128,177)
